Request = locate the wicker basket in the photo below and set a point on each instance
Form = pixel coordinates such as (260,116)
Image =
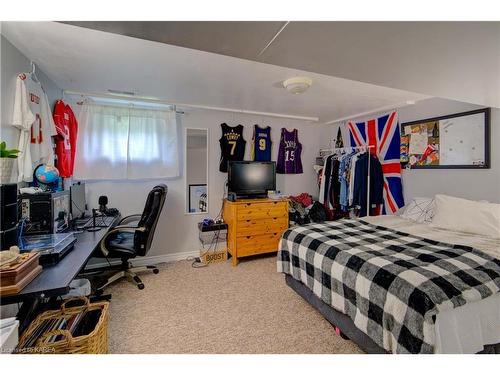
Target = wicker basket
(95,342)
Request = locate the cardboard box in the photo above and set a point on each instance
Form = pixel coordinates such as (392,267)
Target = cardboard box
(215,256)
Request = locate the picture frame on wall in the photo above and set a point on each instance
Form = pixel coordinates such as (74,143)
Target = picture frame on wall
(455,141)
(197,201)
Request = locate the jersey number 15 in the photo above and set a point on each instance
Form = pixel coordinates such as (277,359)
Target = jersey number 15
(290,155)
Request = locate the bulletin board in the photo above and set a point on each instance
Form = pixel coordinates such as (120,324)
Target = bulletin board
(460,140)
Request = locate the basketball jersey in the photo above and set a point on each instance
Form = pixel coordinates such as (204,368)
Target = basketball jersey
(67,128)
(261,145)
(232,145)
(289,154)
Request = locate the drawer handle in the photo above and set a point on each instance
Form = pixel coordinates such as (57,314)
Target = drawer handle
(248,237)
(275,233)
(248,221)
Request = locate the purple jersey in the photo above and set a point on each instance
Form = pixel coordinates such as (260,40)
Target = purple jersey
(289,154)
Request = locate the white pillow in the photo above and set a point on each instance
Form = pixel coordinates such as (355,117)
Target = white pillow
(467,216)
(420,210)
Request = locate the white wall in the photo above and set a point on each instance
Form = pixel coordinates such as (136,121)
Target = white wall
(177,231)
(467,183)
(14,62)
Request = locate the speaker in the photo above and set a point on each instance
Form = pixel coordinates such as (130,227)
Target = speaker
(8,216)
(231,197)
(8,203)
(8,238)
(8,193)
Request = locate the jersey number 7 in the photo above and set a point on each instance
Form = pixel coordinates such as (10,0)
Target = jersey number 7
(233,146)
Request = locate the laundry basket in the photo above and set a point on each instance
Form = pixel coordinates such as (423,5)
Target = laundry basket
(85,330)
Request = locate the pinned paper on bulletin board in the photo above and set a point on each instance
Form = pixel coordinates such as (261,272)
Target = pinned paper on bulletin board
(422,144)
(418,143)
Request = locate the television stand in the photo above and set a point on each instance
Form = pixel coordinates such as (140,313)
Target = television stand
(255,225)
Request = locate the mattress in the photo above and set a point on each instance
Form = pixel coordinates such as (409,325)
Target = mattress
(468,328)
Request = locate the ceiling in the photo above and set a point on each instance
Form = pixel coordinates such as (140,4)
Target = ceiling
(82,59)
(238,39)
(454,60)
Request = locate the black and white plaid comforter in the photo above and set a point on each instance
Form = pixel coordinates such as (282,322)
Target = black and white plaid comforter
(391,284)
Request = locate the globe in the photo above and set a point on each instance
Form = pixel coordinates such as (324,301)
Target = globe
(46,174)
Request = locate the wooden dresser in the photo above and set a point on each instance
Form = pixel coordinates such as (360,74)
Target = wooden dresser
(255,226)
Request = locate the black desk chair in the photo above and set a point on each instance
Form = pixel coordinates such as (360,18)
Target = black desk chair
(126,241)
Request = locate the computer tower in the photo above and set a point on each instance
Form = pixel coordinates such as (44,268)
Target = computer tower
(45,213)
(8,216)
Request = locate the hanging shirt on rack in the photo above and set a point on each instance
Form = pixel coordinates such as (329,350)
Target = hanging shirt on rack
(334,191)
(344,166)
(33,117)
(351,177)
(322,184)
(330,186)
(326,181)
(360,193)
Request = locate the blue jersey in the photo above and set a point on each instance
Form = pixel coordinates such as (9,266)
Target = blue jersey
(261,147)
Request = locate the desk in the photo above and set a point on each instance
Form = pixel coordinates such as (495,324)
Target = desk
(54,280)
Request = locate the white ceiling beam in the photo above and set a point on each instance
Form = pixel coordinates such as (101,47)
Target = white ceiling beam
(376,110)
(186,105)
(273,38)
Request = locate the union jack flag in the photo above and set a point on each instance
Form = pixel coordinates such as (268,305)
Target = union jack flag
(383,134)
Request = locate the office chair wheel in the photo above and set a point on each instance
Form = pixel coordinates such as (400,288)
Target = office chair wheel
(156,271)
(140,286)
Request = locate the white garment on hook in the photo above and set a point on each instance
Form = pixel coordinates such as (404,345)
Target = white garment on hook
(33,117)
(322,182)
(354,159)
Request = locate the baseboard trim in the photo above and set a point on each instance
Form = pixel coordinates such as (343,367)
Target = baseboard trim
(148,260)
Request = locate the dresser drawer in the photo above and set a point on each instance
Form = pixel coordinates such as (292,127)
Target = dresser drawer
(251,227)
(257,244)
(262,211)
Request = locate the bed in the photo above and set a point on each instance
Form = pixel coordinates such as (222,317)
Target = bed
(393,285)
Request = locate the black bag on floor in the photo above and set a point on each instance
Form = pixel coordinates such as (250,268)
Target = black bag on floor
(317,213)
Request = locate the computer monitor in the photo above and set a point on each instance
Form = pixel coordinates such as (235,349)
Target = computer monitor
(78,202)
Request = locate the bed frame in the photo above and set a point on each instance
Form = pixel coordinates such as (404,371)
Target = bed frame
(346,325)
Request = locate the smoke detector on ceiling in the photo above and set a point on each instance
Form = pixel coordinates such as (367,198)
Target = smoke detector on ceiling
(297,85)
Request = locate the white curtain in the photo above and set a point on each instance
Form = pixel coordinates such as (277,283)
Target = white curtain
(126,143)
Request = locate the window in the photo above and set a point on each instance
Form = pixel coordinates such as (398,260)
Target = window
(126,143)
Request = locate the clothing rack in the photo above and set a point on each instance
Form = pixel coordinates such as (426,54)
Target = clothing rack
(334,150)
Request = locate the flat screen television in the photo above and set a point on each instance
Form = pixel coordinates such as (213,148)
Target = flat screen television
(251,179)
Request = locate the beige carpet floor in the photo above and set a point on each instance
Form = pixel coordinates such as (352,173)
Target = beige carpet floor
(218,309)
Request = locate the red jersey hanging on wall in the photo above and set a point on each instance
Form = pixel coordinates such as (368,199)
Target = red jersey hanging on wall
(67,131)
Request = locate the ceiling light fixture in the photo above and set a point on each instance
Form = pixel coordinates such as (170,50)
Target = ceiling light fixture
(297,85)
